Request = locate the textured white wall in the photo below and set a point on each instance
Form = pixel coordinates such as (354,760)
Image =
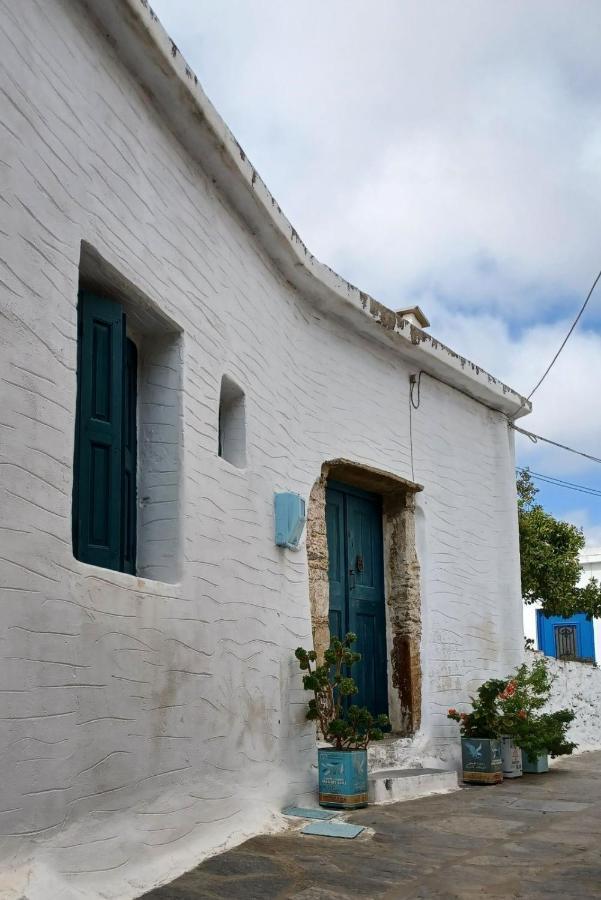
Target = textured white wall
(578,687)
(145,723)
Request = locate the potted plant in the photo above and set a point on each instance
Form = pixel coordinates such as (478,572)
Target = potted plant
(537,734)
(349,729)
(480,735)
(546,736)
(524,693)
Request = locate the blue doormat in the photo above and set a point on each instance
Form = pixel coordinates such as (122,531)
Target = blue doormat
(333,829)
(306,813)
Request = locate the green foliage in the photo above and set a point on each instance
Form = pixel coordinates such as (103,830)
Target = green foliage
(345,726)
(535,732)
(549,552)
(484,719)
(512,706)
(545,734)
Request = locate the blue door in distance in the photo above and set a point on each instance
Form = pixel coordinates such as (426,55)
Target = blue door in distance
(356,575)
(571,638)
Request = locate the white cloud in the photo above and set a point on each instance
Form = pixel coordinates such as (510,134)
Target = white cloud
(444,153)
(565,407)
(419,145)
(582,519)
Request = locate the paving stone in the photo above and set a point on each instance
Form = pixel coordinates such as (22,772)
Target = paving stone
(534,838)
(237,863)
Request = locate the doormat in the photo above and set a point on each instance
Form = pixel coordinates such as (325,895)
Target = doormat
(333,829)
(306,813)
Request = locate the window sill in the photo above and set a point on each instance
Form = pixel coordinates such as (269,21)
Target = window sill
(125,580)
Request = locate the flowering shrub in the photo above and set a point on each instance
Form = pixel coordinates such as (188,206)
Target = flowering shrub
(535,732)
(484,719)
(512,707)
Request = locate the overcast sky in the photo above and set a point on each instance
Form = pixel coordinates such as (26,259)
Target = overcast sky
(442,153)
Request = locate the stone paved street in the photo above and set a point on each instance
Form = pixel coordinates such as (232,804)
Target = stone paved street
(534,837)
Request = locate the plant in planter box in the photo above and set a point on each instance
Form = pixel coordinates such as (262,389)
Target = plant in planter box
(525,692)
(520,703)
(480,735)
(349,728)
(545,736)
(536,733)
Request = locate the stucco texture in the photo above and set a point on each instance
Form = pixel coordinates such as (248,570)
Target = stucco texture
(146,723)
(577,686)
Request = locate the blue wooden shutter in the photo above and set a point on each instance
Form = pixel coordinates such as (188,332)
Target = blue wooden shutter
(128,530)
(97,525)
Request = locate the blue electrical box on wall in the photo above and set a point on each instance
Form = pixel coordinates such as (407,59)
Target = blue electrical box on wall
(290,518)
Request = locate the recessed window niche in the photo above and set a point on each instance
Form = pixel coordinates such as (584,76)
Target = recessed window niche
(232,423)
(158,418)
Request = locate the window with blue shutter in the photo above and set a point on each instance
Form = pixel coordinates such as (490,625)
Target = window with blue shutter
(566,638)
(104,483)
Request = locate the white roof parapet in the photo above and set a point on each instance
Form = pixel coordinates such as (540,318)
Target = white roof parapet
(149,53)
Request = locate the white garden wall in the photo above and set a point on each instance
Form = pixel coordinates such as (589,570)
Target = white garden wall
(576,686)
(144,722)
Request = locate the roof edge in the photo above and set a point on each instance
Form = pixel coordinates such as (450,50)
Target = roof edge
(134,31)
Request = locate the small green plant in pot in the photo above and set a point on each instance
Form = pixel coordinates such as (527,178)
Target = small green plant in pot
(480,735)
(348,728)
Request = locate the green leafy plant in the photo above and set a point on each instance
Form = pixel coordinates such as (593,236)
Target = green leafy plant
(546,733)
(345,726)
(512,707)
(521,702)
(484,721)
(549,557)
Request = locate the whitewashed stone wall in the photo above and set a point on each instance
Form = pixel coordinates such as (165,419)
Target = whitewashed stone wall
(146,723)
(578,687)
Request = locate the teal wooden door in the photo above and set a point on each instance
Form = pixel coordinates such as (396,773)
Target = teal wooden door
(356,576)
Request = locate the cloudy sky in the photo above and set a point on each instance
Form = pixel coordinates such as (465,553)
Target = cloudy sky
(440,152)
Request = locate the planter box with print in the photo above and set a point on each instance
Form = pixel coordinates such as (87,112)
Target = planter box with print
(511,756)
(482,763)
(536,766)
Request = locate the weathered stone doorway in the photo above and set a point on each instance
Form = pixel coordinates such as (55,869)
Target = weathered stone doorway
(401,581)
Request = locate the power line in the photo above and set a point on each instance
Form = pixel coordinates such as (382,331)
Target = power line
(535,438)
(559,482)
(565,340)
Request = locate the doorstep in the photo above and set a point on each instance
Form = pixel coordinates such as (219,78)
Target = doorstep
(394,785)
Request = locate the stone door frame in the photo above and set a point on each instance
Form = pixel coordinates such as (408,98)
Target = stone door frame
(401,581)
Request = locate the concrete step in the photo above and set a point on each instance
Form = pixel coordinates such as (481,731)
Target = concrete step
(393,785)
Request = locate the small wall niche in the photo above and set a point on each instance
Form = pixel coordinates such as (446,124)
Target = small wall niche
(232,423)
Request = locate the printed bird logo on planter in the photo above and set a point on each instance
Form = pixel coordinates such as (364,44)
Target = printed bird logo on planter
(475,752)
(334,771)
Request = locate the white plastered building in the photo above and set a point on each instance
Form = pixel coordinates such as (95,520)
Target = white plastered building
(171,356)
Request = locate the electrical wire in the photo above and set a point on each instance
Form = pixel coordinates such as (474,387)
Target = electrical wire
(535,438)
(416,380)
(559,482)
(565,340)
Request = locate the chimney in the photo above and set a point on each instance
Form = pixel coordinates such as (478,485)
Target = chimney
(414,315)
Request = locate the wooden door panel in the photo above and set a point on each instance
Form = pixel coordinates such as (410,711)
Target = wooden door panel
(354,527)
